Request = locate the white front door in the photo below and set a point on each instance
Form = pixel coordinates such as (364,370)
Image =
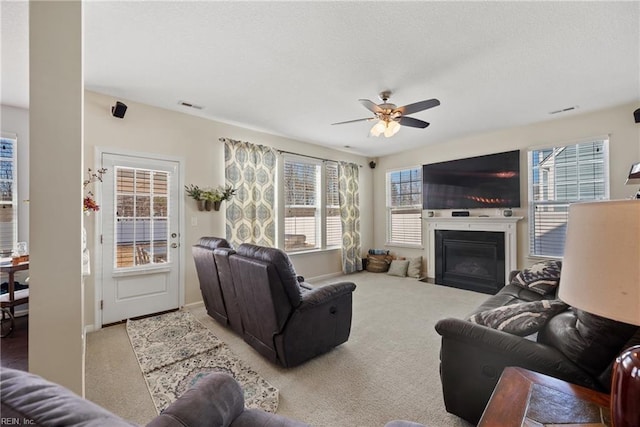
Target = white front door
(140,236)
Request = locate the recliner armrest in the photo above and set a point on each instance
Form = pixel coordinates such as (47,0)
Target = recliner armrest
(216,399)
(514,350)
(322,294)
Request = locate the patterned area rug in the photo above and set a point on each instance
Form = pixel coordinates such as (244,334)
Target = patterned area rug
(175,350)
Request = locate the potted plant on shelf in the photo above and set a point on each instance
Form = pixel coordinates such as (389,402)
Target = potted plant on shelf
(197,194)
(212,197)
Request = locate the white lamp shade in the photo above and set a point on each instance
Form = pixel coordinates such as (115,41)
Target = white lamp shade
(601,265)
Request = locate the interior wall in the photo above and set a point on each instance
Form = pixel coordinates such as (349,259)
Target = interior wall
(149,129)
(56,338)
(624,149)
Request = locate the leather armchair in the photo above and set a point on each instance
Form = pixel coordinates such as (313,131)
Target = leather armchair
(284,320)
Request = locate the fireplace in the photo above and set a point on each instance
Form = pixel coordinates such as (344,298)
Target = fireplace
(472,260)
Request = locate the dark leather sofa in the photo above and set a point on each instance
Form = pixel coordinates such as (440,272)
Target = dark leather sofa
(218,295)
(573,345)
(259,295)
(216,400)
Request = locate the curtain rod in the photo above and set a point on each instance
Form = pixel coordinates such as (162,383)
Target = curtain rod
(222,139)
(311,157)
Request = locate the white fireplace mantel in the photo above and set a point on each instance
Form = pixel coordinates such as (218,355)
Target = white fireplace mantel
(507,225)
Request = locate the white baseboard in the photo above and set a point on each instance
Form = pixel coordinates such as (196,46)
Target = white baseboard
(194,304)
(323,277)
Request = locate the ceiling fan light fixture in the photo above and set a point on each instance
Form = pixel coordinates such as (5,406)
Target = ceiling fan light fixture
(392,128)
(378,128)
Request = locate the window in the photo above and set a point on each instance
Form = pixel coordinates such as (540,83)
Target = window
(311,204)
(142,216)
(404,207)
(559,176)
(8,196)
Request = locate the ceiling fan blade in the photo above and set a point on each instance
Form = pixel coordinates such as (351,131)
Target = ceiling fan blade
(413,123)
(418,106)
(371,106)
(353,121)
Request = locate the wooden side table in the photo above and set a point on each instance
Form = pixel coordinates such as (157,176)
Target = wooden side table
(529,399)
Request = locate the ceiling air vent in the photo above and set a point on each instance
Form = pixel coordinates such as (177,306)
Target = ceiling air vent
(564,110)
(190,105)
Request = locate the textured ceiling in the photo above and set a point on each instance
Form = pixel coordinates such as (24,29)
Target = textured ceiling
(293,68)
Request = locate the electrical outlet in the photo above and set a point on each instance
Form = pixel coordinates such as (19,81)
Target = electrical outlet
(194,221)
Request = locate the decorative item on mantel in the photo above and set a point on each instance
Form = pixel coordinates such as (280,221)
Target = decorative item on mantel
(208,198)
(89,203)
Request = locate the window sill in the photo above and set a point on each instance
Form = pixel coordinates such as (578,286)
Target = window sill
(403,245)
(312,251)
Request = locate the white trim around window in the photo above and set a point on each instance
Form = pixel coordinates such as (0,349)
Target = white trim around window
(404,207)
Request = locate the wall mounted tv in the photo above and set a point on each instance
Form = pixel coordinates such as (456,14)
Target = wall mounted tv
(491,181)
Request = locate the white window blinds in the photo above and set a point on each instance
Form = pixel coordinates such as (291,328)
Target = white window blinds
(404,207)
(559,176)
(8,196)
(302,203)
(141,217)
(311,204)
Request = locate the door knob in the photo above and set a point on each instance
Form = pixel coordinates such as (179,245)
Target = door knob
(174,245)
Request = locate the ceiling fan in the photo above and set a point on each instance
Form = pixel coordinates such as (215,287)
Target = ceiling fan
(390,117)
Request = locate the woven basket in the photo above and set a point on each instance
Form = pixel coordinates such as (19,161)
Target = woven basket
(378,263)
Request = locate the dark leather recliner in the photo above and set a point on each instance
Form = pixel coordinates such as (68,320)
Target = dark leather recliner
(285,321)
(574,346)
(218,293)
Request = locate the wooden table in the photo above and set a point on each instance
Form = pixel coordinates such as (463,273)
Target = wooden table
(10,270)
(526,398)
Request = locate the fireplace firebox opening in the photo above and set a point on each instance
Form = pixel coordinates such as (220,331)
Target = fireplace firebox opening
(472,260)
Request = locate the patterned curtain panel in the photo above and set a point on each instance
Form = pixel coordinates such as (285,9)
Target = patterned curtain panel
(349,216)
(250,214)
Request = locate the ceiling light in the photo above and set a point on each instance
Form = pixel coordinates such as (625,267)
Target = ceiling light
(386,126)
(378,128)
(392,128)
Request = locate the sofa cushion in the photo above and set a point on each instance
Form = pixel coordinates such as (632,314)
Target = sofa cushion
(398,268)
(520,319)
(281,262)
(415,267)
(542,277)
(589,341)
(510,294)
(37,402)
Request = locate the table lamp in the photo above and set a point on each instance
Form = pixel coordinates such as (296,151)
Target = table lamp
(634,177)
(601,275)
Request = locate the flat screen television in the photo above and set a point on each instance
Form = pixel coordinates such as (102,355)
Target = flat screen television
(490,181)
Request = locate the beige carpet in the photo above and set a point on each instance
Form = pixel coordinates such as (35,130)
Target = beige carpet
(387,370)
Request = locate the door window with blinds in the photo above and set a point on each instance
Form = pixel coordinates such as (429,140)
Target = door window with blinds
(8,196)
(311,204)
(559,176)
(141,233)
(404,207)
